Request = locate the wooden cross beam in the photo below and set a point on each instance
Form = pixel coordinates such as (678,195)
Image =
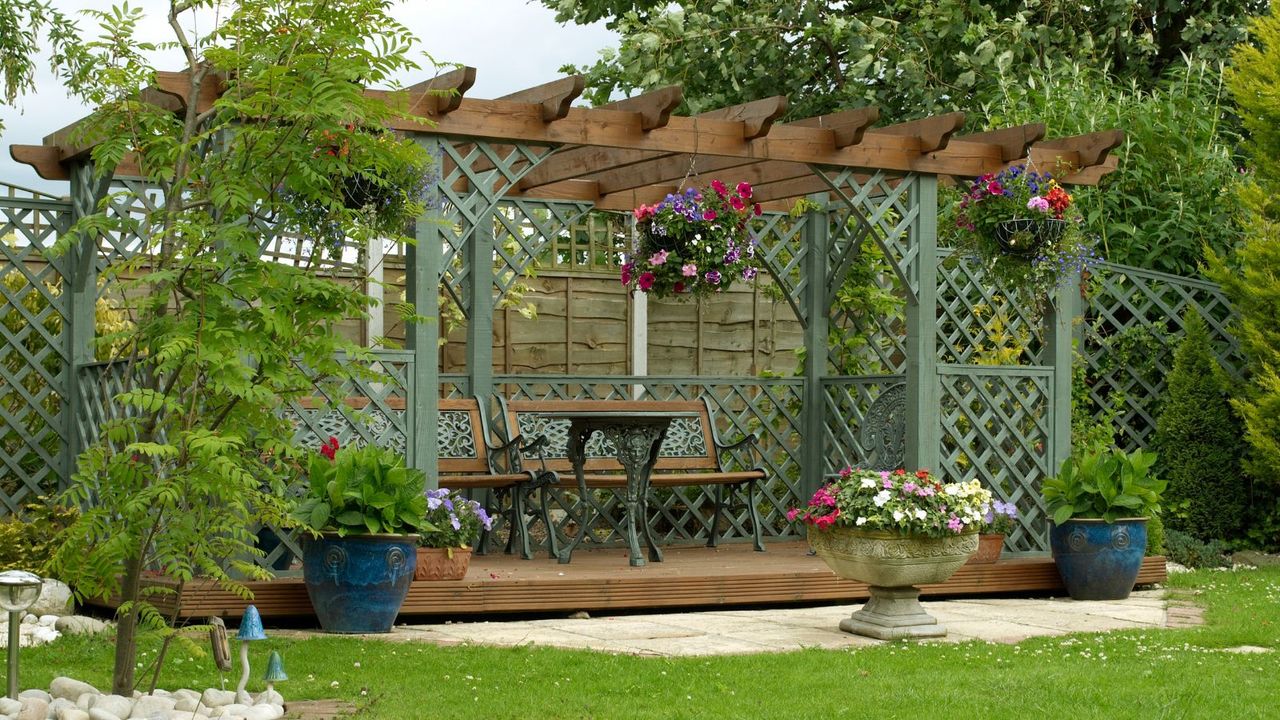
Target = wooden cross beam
(847,126)
(1090,149)
(1014,142)
(654,107)
(441,94)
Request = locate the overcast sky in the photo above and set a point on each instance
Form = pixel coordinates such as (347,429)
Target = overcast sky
(513,44)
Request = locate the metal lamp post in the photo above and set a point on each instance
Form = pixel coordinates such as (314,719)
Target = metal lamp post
(19,590)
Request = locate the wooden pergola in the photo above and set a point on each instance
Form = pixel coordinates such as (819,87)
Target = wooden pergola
(535,146)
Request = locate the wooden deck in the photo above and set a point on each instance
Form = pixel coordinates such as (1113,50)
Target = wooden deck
(602,580)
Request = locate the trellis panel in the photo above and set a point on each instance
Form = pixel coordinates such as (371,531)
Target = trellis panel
(848,402)
(1125,300)
(35,357)
(996,428)
(977,319)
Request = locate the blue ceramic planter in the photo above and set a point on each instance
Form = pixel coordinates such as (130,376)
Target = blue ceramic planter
(357,583)
(1099,560)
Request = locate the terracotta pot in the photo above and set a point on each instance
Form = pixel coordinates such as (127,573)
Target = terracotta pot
(989,547)
(442,563)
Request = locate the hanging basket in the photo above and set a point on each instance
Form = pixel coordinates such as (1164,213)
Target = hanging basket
(360,191)
(1026,236)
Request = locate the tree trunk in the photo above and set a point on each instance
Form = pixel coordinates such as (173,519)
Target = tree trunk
(122,679)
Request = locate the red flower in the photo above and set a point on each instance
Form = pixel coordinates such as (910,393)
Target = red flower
(922,474)
(626,273)
(645,281)
(737,202)
(719,187)
(709,215)
(679,287)
(757,209)
(744,189)
(330,448)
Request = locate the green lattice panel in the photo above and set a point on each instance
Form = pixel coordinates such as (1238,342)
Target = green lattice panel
(526,230)
(476,174)
(851,236)
(977,318)
(995,427)
(882,207)
(34,353)
(782,251)
(767,407)
(1127,300)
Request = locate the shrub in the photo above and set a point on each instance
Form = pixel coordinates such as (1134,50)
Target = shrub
(27,543)
(1199,441)
(1155,534)
(1190,552)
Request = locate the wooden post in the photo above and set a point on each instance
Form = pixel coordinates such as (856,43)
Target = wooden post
(639,335)
(923,426)
(479,288)
(1059,324)
(812,420)
(81,290)
(423,272)
(374,287)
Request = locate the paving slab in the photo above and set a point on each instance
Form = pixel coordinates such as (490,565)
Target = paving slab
(733,632)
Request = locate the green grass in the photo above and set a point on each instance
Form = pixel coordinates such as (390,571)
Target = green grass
(1146,674)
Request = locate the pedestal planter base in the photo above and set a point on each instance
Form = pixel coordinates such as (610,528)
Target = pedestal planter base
(892,565)
(893,613)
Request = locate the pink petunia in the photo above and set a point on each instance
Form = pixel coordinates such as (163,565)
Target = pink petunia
(645,281)
(737,202)
(719,187)
(689,270)
(744,189)
(709,215)
(658,258)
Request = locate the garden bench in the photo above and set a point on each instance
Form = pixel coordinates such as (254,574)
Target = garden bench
(691,454)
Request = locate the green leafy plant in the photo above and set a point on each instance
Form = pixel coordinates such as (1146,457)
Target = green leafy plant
(1199,440)
(1108,485)
(28,542)
(362,490)
(1190,552)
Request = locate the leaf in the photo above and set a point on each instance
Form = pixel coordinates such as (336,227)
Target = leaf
(1062,514)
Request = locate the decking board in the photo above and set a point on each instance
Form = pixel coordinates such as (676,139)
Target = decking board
(599,580)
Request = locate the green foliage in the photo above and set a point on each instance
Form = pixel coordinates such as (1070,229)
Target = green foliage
(1107,485)
(1254,81)
(909,57)
(1174,191)
(28,542)
(363,490)
(1199,442)
(1090,433)
(1155,534)
(23,23)
(224,339)
(1190,552)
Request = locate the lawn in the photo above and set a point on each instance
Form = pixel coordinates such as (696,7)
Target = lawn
(1136,674)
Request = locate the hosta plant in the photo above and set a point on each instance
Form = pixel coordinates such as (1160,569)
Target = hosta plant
(362,490)
(1108,484)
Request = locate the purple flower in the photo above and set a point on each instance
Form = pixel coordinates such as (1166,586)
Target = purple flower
(713,277)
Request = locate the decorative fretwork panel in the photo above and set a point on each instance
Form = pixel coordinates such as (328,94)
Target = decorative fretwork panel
(854,406)
(684,438)
(1133,325)
(34,352)
(981,323)
(766,407)
(455,437)
(995,427)
(362,410)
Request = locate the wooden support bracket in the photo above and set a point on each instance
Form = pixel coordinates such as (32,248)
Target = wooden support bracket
(1091,148)
(654,107)
(933,133)
(442,94)
(1014,142)
(45,159)
(847,126)
(555,97)
(756,117)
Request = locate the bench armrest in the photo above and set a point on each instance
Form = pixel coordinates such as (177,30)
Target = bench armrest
(746,440)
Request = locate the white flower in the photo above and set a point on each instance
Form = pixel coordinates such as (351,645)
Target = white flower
(920,514)
(881,498)
(898,515)
(868,482)
(951,489)
(861,521)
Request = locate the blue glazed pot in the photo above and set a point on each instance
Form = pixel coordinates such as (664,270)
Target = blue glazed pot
(358,582)
(1099,560)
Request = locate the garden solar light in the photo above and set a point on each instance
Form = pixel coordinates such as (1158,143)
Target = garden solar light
(250,630)
(19,590)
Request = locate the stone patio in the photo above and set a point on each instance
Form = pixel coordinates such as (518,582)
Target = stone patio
(723,632)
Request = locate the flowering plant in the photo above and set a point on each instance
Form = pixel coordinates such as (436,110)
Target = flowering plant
(693,243)
(998,517)
(911,504)
(457,520)
(361,490)
(1024,228)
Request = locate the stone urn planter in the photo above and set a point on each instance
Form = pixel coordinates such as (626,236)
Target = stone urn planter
(893,565)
